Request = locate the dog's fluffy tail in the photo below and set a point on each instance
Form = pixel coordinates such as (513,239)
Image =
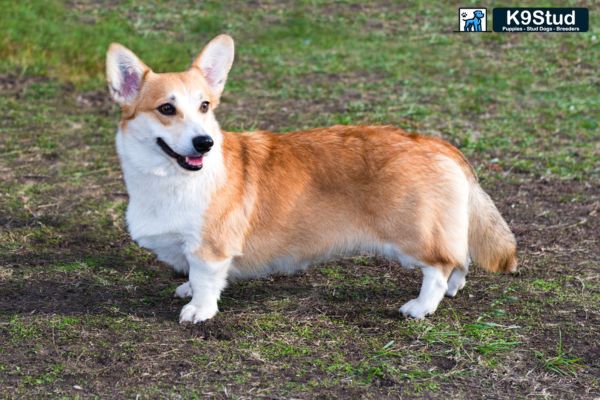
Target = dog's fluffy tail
(491,243)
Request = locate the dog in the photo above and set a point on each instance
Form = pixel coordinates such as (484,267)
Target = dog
(218,206)
(474,24)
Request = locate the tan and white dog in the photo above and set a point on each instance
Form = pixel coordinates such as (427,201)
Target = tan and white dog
(221,205)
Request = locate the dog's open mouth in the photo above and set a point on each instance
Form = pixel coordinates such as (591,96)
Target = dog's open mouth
(191,163)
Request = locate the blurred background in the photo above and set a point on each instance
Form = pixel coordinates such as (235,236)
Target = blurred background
(85,312)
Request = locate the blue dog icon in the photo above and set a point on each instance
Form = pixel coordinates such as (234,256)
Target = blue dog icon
(474,24)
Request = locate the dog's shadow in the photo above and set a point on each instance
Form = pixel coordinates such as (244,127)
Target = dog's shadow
(152,297)
(117,284)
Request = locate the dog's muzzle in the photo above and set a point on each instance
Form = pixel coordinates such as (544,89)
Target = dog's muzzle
(202,144)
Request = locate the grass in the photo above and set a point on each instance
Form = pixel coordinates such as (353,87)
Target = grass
(562,363)
(84,312)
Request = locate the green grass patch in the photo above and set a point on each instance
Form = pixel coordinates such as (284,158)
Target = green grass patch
(64,322)
(546,285)
(21,330)
(562,363)
(51,375)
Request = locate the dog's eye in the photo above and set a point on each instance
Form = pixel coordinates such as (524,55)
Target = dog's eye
(204,106)
(167,109)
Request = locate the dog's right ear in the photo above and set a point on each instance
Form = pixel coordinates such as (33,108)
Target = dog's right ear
(125,74)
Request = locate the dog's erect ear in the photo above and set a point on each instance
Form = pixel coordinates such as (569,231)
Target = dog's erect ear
(215,62)
(125,73)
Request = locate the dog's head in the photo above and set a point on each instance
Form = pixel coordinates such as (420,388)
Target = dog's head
(167,121)
(478,14)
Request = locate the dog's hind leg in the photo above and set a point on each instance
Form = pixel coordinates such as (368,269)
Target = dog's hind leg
(443,245)
(184,290)
(456,281)
(435,285)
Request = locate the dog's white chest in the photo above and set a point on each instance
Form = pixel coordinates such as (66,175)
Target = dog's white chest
(166,207)
(165,213)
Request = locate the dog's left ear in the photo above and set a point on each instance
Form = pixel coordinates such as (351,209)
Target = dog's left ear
(215,61)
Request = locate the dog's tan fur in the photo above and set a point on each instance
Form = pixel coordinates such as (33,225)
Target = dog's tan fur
(304,192)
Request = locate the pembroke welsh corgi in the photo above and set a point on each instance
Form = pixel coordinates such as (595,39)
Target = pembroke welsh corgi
(217,205)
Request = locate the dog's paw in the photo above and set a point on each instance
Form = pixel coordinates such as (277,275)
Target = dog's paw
(194,313)
(184,290)
(417,309)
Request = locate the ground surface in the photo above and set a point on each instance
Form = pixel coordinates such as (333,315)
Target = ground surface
(84,312)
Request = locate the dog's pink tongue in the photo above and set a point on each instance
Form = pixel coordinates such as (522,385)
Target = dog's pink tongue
(195,161)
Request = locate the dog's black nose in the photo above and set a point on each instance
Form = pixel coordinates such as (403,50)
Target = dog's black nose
(202,144)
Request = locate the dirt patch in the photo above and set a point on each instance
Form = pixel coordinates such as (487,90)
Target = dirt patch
(554,219)
(13,83)
(97,99)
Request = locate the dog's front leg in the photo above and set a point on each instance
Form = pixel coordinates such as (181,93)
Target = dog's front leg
(207,280)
